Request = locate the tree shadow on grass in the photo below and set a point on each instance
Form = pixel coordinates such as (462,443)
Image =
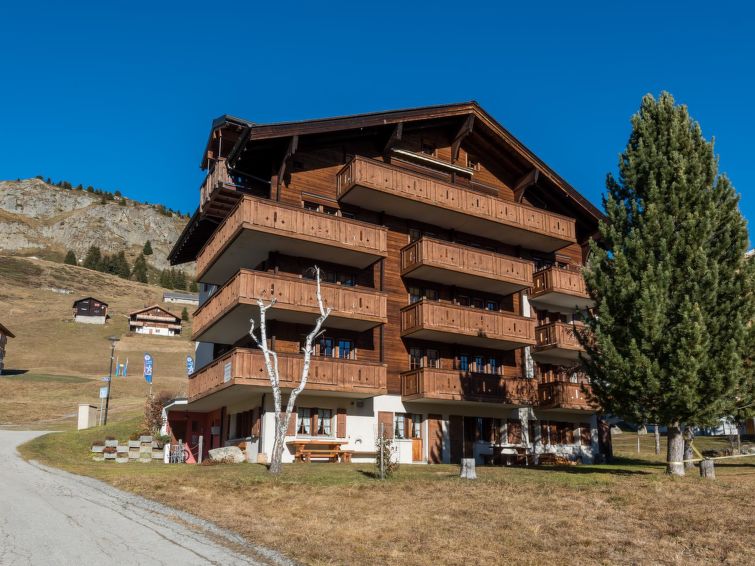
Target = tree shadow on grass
(587,469)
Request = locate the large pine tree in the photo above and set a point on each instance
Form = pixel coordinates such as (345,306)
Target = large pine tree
(668,338)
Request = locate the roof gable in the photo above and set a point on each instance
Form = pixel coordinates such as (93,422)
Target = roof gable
(77,301)
(4,330)
(154,307)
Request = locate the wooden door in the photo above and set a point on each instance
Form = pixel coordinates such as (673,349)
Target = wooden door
(456,437)
(416,449)
(434,439)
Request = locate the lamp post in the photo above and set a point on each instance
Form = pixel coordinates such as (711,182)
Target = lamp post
(113,340)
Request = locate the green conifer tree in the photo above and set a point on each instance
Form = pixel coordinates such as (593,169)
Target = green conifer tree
(193,287)
(667,341)
(179,280)
(121,266)
(147,250)
(166,279)
(139,272)
(93,258)
(70,258)
(185,315)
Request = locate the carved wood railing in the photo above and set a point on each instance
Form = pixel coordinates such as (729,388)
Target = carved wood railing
(565,395)
(556,280)
(247,367)
(394,180)
(457,257)
(455,385)
(558,334)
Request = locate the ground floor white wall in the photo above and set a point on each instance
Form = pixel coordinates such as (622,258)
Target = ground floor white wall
(90,319)
(155,331)
(362,426)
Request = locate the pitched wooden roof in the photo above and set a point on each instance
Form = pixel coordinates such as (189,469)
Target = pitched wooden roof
(8,333)
(145,309)
(77,301)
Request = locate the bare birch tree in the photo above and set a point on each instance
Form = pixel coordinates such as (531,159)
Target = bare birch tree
(271,365)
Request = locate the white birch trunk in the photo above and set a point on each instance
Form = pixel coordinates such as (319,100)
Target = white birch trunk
(271,365)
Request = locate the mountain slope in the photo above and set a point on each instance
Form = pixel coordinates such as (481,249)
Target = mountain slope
(37,218)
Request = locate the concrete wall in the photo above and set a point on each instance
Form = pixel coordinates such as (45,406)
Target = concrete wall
(90,319)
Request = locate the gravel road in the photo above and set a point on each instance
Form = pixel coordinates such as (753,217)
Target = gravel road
(48,516)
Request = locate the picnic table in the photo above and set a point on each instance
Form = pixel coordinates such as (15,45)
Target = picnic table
(305,449)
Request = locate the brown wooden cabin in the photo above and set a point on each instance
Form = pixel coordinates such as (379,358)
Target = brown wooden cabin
(4,335)
(451,256)
(90,310)
(154,320)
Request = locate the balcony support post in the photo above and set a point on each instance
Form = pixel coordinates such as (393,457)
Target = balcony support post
(464,131)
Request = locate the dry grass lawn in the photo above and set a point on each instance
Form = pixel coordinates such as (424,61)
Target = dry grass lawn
(626,513)
(55,363)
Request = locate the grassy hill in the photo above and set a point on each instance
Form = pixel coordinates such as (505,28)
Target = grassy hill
(56,363)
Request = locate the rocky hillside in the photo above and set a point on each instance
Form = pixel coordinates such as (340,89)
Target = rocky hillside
(41,219)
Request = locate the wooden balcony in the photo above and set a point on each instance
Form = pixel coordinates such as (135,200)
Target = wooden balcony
(258,226)
(560,290)
(565,395)
(246,368)
(463,266)
(445,322)
(556,342)
(224,317)
(433,384)
(375,185)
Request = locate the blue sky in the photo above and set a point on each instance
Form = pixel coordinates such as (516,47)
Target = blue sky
(121,96)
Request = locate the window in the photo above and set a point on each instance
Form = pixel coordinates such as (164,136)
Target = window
(414,235)
(433,358)
(492,306)
(311,206)
(399,428)
(432,294)
(326,347)
(346,349)
(473,162)
(346,279)
(464,362)
(416,426)
(330,210)
(324,419)
(346,214)
(478,303)
(415,295)
(304,421)
(463,300)
(415,358)
(428,149)
(492,366)
(479,364)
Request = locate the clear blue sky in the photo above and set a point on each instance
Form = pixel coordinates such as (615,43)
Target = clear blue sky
(121,95)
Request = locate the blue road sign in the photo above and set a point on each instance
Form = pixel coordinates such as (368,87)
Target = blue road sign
(147,368)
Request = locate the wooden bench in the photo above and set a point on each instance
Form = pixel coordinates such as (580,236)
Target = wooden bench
(306,450)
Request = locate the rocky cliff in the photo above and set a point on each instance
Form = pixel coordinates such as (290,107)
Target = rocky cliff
(41,219)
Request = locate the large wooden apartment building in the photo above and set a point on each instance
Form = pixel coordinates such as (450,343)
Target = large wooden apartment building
(451,257)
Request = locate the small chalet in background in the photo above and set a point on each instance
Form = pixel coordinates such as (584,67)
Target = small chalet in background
(154,320)
(4,335)
(181,297)
(90,311)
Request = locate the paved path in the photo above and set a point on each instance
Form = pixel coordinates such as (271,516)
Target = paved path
(48,516)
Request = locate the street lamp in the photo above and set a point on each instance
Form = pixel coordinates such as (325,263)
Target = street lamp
(113,340)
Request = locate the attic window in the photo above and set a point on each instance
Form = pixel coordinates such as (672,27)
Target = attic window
(473,162)
(428,149)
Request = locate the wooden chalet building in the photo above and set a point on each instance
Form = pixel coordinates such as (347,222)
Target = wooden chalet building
(4,335)
(451,257)
(90,311)
(154,320)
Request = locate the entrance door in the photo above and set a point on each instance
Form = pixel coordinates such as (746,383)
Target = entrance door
(434,439)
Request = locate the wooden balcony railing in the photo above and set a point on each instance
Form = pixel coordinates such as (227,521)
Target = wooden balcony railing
(453,323)
(243,366)
(455,385)
(556,280)
(565,395)
(461,264)
(288,221)
(362,304)
(393,181)
(557,335)
(216,178)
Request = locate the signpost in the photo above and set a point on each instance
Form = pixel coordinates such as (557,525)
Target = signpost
(148,371)
(113,340)
(103,396)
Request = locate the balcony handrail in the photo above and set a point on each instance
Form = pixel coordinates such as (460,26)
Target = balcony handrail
(436,180)
(459,246)
(555,336)
(282,355)
(547,279)
(248,198)
(287,277)
(445,303)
